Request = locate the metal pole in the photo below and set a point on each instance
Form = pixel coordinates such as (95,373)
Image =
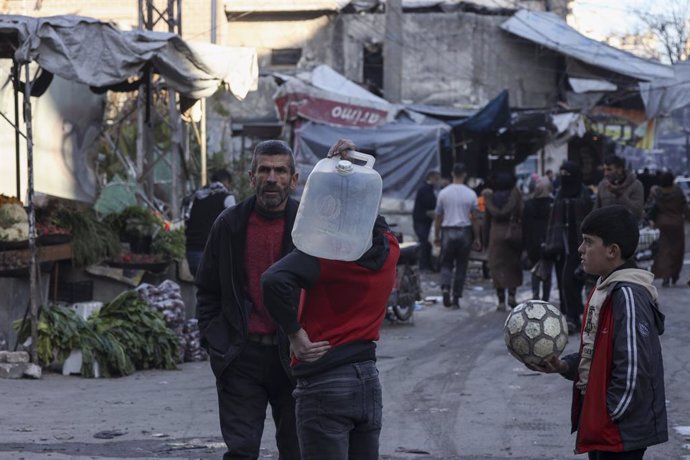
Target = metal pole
(687,151)
(214,21)
(174,22)
(202,143)
(17,153)
(175,149)
(32,216)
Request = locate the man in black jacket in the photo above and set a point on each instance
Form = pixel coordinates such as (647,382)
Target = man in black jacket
(423,216)
(249,355)
(207,204)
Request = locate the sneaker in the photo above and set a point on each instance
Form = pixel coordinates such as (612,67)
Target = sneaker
(512,302)
(446,298)
(572,328)
(501,306)
(456,302)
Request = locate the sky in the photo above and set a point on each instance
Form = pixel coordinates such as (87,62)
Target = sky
(600,18)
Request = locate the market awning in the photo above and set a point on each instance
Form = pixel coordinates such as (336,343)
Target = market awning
(588,85)
(663,96)
(489,119)
(325,96)
(97,54)
(549,30)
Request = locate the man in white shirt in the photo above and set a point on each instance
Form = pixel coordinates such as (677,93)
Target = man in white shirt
(456,231)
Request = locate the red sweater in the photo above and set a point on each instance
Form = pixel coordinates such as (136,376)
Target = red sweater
(264,246)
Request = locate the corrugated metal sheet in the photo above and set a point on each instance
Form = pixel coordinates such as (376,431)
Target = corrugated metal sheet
(550,31)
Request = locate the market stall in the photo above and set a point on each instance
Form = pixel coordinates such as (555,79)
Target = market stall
(100,56)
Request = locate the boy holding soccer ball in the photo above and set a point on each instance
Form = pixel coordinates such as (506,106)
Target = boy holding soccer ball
(618,405)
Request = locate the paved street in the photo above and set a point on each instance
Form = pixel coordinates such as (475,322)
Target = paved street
(451,391)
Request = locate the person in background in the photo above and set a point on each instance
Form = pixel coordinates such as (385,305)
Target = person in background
(620,186)
(570,206)
(667,209)
(423,217)
(535,219)
(456,222)
(249,355)
(207,204)
(503,205)
(648,180)
(333,332)
(619,404)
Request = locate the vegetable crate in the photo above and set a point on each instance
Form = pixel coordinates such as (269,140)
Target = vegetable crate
(72,292)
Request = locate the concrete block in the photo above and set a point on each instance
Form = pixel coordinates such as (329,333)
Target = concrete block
(12,371)
(17,357)
(33,371)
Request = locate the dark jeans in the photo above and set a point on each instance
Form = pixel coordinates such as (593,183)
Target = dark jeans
(546,288)
(632,455)
(339,413)
(570,287)
(422,230)
(253,380)
(456,243)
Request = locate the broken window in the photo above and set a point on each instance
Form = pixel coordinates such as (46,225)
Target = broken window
(372,67)
(286,56)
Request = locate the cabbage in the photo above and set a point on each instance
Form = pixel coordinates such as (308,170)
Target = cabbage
(12,213)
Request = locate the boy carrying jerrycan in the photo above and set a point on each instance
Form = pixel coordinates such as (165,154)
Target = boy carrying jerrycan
(344,268)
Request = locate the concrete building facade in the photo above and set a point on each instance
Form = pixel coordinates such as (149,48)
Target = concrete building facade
(452,58)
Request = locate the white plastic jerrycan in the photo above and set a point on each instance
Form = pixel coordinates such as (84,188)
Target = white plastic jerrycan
(339,206)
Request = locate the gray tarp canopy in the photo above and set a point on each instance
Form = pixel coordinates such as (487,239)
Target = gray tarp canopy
(663,96)
(404,151)
(96,53)
(550,31)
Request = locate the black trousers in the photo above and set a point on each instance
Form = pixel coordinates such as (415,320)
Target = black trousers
(255,379)
(632,455)
(422,230)
(570,287)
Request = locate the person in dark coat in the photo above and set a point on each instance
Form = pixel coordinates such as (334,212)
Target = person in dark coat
(620,186)
(207,204)
(248,353)
(572,203)
(503,205)
(535,219)
(667,211)
(423,217)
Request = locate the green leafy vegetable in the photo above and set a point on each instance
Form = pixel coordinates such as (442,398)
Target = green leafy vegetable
(92,241)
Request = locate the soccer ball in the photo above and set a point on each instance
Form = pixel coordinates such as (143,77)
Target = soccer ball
(534,331)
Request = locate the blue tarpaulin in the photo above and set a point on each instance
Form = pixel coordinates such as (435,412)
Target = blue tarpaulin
(489,119)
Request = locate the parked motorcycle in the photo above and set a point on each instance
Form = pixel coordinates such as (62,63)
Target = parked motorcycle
(407,289)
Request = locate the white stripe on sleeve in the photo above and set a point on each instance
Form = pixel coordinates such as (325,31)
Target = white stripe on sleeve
(631,377)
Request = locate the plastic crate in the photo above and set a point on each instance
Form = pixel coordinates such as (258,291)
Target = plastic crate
(648,237)
(77,291)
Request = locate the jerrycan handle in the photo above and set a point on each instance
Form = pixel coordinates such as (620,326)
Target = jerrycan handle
(369,159)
